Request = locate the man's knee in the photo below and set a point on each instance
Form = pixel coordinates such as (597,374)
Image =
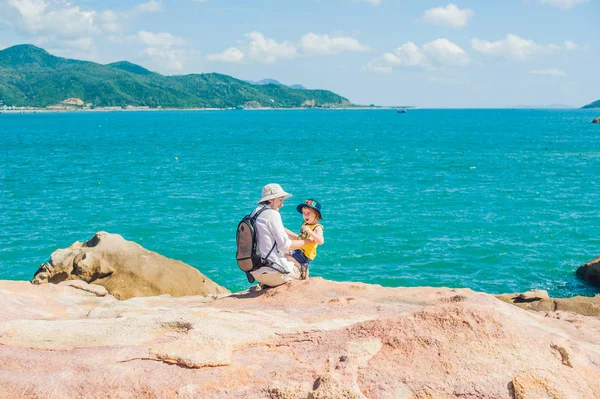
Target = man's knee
(275,279)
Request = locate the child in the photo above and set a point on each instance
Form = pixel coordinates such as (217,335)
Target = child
(311,230)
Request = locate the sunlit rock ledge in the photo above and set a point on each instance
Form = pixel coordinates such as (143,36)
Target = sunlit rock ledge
(307,339)
(153,327)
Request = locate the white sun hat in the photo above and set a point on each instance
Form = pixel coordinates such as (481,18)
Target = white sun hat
(272,191)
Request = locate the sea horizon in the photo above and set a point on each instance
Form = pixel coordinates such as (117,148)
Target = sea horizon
(357,107)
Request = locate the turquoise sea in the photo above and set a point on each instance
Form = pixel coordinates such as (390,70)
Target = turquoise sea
(494,200)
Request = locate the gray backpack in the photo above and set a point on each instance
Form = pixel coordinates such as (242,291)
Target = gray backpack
(248,254)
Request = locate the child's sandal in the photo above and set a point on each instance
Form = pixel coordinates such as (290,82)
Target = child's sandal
(303,271)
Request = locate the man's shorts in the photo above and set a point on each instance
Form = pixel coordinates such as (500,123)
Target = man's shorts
(274,278)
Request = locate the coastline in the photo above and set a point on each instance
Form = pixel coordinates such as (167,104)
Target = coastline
(356,108)
(312,338)
(519,299)
(141,109)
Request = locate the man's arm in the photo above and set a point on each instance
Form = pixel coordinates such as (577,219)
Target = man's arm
(284,243)
(291,234)
(295,244)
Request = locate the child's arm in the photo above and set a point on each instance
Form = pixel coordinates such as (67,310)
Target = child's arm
(315,235)
(291,234)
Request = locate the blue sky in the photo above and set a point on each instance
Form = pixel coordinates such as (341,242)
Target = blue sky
(496,53)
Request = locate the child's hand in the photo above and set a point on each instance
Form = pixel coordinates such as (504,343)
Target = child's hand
(307,232)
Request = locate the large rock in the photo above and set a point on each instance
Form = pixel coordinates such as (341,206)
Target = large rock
(306,339)
(125,269)
(590,272)
(539,301)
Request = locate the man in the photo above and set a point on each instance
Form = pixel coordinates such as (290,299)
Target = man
(273,241)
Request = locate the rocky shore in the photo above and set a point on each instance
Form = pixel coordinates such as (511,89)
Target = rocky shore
(307,339)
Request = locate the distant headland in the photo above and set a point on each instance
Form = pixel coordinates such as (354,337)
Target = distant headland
(595,104)
(32,79)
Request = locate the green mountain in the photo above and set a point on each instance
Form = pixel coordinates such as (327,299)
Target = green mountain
(30,76)
(595,104)
(275,82)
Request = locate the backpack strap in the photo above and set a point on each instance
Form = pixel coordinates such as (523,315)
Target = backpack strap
(265,259)
(272,248)
(255,216)
(274,266)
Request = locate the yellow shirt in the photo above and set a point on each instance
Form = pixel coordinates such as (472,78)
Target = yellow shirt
(310,250)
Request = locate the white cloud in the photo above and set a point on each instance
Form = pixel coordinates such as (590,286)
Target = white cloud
(313,43)
(172,59)
(513,48)
(161,39)
(549,72)
(163,50)
(35,17)
(257,48)
(407,55)
(569,45)
(59,23)
(22,13)
(442,52)
(150,7)
(563,4)
(65,28)
(232,55)
(438,53)
(450,16)
(269,51)
(110,22)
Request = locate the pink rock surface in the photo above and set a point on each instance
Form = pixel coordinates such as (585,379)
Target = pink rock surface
(307,339)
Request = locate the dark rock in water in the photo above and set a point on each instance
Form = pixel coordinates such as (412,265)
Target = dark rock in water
(597,120)
(590,272)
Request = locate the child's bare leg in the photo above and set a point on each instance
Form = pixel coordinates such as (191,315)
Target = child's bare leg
(289,257)
(302,267)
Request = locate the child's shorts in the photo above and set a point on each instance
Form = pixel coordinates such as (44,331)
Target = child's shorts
(300,257)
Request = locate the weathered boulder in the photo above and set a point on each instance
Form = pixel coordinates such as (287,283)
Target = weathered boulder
(125,269)
(596,120)
(306,339)
(590,272)
(539,301)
